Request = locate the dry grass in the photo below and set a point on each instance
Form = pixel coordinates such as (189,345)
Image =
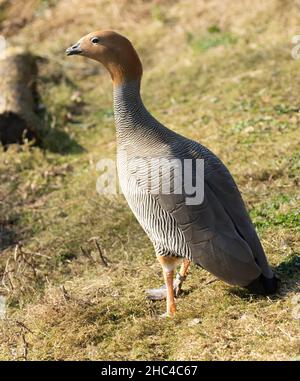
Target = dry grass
(230,83)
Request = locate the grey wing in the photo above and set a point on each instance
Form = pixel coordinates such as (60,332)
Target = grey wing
(212,238)
(219,231)
(226,191)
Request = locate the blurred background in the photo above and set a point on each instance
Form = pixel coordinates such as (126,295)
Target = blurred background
(219,72)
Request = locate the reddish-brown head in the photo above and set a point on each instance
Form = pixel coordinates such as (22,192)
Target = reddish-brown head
(114,51)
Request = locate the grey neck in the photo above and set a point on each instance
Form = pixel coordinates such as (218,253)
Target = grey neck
(127,92)
(131,116)
(135,126)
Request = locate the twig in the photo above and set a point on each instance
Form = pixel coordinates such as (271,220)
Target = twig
(210,281)
(16,253)
(87,253)
(22,257)
(102,258)
(23,326)
(6,275)
(65,293)
(25,347)
(68,297)
(29,264)
(41,255)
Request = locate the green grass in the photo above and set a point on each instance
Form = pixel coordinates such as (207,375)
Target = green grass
(228,82)
(283,211)
(213,38)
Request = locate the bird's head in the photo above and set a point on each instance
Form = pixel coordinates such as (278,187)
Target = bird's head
(114,51)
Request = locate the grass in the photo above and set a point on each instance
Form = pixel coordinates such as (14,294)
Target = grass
(213,38)
(230,83)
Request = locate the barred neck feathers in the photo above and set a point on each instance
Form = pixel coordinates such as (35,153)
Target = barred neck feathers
(133,120)
(128,107)
(127,99)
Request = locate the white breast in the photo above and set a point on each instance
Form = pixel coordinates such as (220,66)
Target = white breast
(160,225)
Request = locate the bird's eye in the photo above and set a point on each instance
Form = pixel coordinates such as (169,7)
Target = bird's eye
(95,40)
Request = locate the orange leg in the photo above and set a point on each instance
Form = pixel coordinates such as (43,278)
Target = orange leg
(169,264)
(184,269)
(181,276)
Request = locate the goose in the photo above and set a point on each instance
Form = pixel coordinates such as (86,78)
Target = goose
(215,232)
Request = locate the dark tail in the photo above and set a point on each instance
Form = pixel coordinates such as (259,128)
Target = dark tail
(263,285)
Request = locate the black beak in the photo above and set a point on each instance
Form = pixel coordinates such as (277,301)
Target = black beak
(75,49)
